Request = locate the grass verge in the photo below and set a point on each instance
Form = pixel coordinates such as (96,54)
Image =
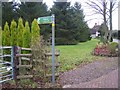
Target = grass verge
(73,55)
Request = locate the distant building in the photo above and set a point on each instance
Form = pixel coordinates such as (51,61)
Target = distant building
(94,31)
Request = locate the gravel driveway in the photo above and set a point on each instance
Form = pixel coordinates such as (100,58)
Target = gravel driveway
(92,75)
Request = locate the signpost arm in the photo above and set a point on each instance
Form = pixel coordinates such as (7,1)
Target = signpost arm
(53,50)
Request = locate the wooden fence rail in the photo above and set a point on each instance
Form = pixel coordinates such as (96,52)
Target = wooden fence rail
(18,56)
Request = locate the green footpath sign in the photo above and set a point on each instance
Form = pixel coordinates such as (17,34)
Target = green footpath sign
(44,20)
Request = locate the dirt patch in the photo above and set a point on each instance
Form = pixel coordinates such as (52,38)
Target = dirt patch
(106,81)
(89,72)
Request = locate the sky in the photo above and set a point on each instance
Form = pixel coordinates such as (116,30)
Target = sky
(92,19)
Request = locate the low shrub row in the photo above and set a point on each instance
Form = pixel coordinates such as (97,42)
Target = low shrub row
(110,49)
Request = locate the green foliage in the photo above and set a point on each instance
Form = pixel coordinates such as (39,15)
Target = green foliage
(112,47)
(69,18)
(73,27)
(35,32)
(63,27)
(27,10)
(64,41)
(7,13)
(20,30)
(6,35)
(103,33)
(1,36)
(26,36)
(20,35)
(30,10)
(13,30)
(103,39)
(27,83)
(80,27)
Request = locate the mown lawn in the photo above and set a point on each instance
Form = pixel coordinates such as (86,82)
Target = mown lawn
(74,55)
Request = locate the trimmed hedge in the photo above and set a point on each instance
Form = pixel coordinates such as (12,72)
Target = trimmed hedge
(64,41)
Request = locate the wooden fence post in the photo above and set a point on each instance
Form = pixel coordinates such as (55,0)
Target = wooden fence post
(16,62)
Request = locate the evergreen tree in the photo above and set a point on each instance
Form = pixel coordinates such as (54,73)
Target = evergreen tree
(70,24)
(8,12)
(26,36)
(6,35)
(35,32)
(1,36)
(30,10)
(80,28)
(13,30)
(63,23)
(20,30)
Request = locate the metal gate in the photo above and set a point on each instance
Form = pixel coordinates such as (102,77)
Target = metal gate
(6,64)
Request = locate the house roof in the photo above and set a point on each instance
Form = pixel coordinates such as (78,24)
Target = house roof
(94,29)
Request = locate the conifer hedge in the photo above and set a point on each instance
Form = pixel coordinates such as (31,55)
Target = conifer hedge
(6,35)
(0,37)
(20,34)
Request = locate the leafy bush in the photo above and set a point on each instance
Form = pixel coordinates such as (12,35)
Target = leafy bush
(84,37)
(112,47)
(106,49)
(101,49)
(38,52)
(64,41)
(27,83)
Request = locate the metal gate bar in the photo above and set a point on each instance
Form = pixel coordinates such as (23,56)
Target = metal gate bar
(10,74)
(6,76)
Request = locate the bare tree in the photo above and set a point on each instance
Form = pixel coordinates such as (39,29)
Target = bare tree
(104,8)
(99,7)
(111,9)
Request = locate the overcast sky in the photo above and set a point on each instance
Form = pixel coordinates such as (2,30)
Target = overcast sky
(88,12)
(92,19)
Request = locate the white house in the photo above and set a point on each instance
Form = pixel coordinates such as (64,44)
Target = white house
(94,31)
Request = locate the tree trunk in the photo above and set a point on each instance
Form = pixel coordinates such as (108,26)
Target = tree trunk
(104,12)
(105,20)
(110,33)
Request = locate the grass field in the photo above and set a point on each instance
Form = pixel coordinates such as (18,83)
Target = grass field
(74,55)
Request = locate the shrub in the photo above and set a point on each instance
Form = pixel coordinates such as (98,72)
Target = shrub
(112,47)
(13,33)
(64,41)
(20,30)
(101,49)
(38,52)
(0,36)
(6,35)
(35,33)
(83,37)
(26,36)
(106,49)
(6,38)
(27,83)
